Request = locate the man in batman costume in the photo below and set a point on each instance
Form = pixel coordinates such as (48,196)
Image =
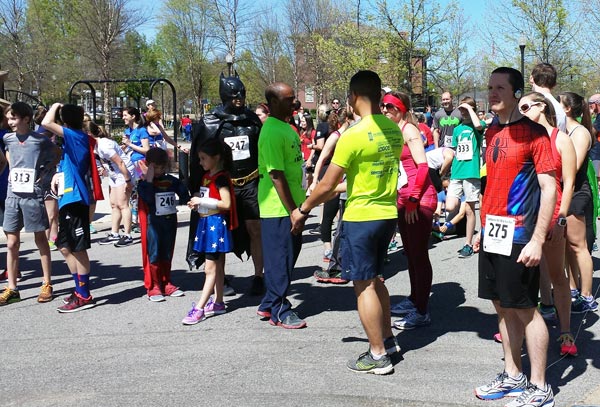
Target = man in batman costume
(239,127)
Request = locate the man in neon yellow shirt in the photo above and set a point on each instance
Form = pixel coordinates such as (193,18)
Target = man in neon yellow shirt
(279,193)
(368,153)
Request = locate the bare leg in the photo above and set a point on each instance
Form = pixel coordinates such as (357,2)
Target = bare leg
(210,272)
(471,220)
(371,313)
(13,243)
(576,244)
(42,244)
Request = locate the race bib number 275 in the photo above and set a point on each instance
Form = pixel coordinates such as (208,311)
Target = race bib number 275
(499,234)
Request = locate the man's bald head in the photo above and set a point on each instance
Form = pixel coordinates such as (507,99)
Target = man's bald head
(280,98)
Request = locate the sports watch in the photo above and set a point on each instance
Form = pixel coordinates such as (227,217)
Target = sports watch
(562,221)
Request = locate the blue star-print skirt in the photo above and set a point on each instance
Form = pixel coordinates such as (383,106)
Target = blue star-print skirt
(213,235)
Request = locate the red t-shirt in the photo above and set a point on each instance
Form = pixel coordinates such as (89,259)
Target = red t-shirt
(426,131)
(515,154)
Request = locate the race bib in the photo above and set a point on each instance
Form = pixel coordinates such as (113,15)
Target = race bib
(60,183)
(499,234)
(204,193)
(22,179)
(447,141)
(464,150)
(240,147)
(402,177)
(165,203)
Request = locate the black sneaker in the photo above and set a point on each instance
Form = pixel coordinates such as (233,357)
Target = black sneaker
(258,286)
(124,241)
(366,364)
(228,290)
(109,239)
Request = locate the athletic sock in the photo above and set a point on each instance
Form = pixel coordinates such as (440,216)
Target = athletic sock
(376,357)
(76,281)
(84,288)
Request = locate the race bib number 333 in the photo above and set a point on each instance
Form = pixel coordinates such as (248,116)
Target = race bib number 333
(499,234)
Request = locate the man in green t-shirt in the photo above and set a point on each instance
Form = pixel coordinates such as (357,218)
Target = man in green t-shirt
(279,193)
(368,153)
(464,175)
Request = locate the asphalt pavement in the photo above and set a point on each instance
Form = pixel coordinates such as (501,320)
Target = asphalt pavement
(128,351)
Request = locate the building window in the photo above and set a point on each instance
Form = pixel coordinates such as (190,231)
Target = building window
(309,94)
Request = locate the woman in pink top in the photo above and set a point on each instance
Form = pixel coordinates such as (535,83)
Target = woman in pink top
(417,200)
(536,107)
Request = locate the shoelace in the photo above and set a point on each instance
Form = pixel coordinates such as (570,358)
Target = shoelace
(499,379)
(193,311)
(531,388)
(6,294)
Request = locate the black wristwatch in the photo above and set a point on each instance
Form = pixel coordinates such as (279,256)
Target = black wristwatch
(413,199)
(562,221)
(302,212)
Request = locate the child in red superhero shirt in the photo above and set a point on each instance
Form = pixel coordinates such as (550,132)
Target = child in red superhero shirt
(158,222)
(216,204)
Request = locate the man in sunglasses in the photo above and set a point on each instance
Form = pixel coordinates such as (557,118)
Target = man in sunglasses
(515,217)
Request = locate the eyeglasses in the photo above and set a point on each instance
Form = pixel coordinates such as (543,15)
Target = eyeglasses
(387,106)
(525,107)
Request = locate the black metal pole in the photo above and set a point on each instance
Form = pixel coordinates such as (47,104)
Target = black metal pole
(522,60)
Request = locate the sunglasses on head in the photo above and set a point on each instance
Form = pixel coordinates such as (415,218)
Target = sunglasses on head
(387,106)
(525,107)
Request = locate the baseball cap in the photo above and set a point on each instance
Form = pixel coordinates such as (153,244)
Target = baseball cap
(150,102)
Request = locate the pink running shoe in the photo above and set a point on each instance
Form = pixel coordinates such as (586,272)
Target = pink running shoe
(214,308)
(193,316)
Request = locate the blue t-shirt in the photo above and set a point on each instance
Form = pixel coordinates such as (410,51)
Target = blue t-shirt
(136,136)
(75,165)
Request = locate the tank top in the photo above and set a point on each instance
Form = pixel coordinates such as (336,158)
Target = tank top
(429,196)
(556,157)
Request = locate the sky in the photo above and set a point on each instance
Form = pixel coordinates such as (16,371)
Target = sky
(473,8)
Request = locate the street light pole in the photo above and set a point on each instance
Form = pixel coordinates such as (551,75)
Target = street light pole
(522,43)
(229,60)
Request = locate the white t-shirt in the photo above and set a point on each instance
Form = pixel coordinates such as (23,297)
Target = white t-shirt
(561,116)
(107,148)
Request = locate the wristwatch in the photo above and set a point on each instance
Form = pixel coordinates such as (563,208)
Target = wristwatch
(303,212)
(413,199)
(562,221)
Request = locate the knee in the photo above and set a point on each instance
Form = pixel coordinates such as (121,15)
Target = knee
(13,244)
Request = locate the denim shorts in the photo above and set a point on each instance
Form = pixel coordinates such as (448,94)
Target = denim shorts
(364,247)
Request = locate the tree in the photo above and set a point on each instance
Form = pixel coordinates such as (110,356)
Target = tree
(12,32)
(418,32)
(100,26)
(186,37)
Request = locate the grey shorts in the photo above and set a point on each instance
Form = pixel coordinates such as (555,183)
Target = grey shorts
(468,187)
(28,212)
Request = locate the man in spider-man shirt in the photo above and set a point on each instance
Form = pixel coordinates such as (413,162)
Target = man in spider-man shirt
(515,216)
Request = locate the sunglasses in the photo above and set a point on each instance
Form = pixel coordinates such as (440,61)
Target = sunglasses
(387,106)
(335,103)
(525,107)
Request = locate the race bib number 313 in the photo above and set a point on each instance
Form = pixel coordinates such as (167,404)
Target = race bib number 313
(22,180)
(499,234)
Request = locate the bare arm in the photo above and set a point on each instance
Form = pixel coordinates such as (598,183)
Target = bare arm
(532,252)
(326,153)
(436,137)
(283,190)
(569,170)
(48,122)
(582,140)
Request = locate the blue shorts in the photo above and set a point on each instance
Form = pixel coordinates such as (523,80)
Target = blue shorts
(364,247)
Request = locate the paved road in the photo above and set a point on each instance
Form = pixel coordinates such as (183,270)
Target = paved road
(130,352)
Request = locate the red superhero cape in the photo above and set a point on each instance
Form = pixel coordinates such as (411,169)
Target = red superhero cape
(96,181)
